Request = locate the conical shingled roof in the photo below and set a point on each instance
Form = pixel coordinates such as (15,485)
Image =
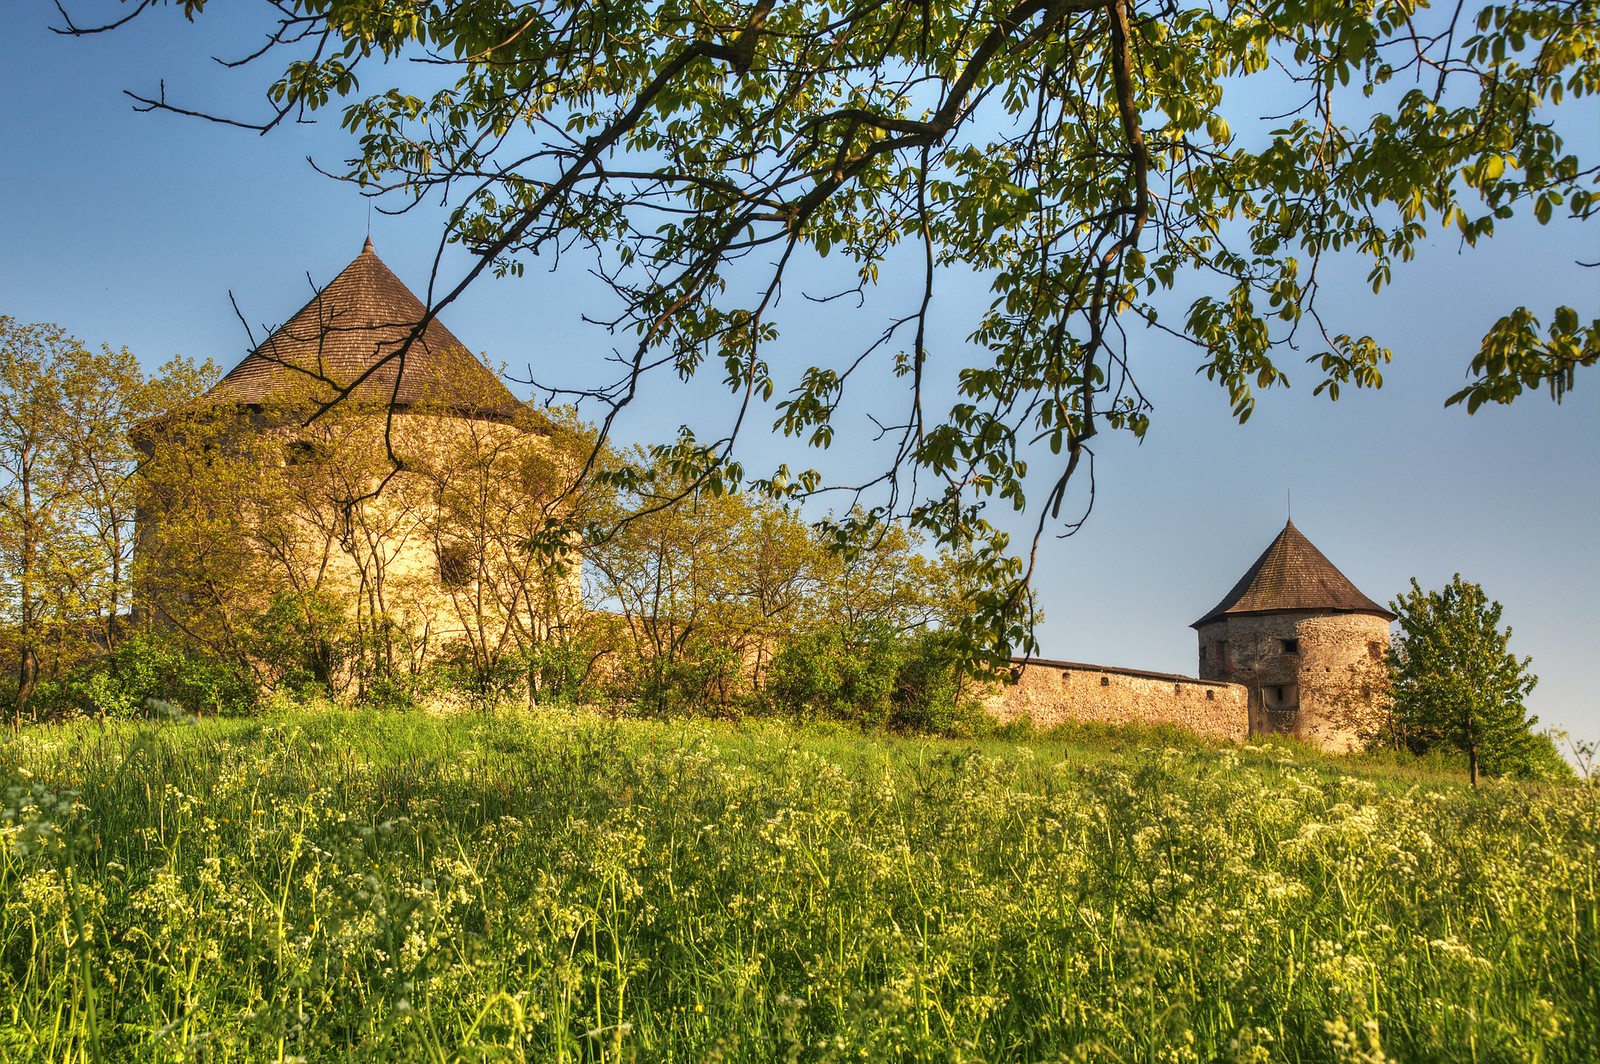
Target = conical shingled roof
(364,314)
(1292,574)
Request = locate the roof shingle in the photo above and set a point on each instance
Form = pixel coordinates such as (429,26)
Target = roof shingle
(361,318)
(1291,574)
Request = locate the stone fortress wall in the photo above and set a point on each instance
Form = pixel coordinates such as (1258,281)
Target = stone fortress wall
(1056,692)
(1293,649)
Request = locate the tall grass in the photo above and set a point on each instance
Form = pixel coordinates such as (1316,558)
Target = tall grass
(327,887)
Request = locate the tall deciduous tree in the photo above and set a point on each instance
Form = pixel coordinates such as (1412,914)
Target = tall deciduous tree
(1457,685)
(710,587)
(66,493)
(1101,162)
(40,370)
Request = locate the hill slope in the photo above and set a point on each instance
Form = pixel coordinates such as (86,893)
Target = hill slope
(324,886)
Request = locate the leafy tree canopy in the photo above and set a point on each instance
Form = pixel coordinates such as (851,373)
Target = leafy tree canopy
(1082,155)
(1458,687)
(67,501)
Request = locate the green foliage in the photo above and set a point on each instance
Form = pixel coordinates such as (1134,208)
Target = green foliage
(67,457)
(158,667)
(1103,165)
(839,674)
(342,886)
(304,642)
(558,672)
(1516,356)
(1456,685)
(561,672)
(698,677)
(872,678)
(710,585)
(152,672)
(929,694)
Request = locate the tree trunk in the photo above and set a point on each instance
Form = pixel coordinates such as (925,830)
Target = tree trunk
(27,675)
(1472,754)
(27,654)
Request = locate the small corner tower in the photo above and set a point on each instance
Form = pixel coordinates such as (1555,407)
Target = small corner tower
(1305,641)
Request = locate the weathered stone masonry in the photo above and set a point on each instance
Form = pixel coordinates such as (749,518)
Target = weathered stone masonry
(1294,648)
(1055,692)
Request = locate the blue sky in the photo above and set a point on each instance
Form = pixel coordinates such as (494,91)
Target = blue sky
(133,230)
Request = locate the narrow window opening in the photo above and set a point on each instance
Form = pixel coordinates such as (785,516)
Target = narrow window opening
(455,565)
(1281,696)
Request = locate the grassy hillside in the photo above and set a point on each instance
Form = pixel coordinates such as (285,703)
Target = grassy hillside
(327,886)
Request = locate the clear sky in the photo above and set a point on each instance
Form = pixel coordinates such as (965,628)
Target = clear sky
(133,230)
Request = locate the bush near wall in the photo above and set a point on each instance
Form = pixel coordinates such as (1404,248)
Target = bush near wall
(872,677)
(152,672)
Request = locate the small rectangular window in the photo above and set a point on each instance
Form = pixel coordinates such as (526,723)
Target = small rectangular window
(455,565)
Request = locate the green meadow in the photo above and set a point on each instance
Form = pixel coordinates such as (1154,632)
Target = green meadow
(331,886)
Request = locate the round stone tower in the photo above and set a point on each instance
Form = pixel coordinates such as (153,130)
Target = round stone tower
(1308,645)
(378,466)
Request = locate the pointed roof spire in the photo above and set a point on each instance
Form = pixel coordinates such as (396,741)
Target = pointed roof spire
(361,320)
(1291,574)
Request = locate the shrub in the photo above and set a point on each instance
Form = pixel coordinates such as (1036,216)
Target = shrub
(305,643)
(927,687)
(391,690)
(701,677)
(544,673)
(842,673)
(153,671)
(560,673)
